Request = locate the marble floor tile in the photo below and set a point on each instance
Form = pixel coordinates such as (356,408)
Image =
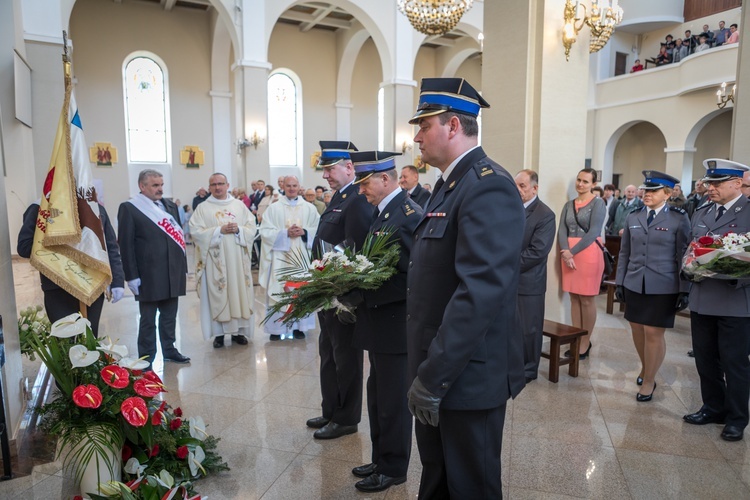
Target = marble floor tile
(277,427)
(656,475)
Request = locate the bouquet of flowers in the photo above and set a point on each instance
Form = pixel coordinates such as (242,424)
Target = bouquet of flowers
(32,321)
(108,405)
(724,257)
(313,286)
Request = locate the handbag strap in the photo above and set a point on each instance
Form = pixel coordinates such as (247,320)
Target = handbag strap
(575,216)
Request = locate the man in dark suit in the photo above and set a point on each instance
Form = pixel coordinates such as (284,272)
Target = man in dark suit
(57,302)
(532,284)
(258,195)
(153,256)
(345,221)
(465,345)
(381,326)
(409,180)
(720,309)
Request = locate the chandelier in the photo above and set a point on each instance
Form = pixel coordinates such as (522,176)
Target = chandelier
(600,20)
(434,17)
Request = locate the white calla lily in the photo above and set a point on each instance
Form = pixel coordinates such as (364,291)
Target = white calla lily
(80,356)
(197,428)
(165,478)
(69,326)
(134,467)
(111,488)
(195,459)
(107,345)
(133,363)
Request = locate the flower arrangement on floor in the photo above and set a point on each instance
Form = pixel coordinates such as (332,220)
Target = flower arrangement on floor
(719,257)
(108,405)
(312,286)
(32,321)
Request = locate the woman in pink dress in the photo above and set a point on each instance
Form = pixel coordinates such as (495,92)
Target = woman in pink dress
(581,224)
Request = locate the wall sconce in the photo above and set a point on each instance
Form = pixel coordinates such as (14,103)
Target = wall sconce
(600,20)
(406,146)
(254,141)
(722,98)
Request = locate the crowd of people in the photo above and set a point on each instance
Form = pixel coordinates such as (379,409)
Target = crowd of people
(457,331)
(674,50)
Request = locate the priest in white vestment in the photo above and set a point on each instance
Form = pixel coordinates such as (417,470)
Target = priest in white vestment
(223,230)
(288,228)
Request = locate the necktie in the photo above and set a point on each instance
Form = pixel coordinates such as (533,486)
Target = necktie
(375,215)
(437,187)
(158,205)
(721,212)
(651,215)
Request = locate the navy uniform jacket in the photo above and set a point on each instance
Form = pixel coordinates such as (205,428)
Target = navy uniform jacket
(653,252)
(347,218)
(464,340)
(26,241)
(420,195)
(149,254)
(381,320)
(538,237)
(721,297)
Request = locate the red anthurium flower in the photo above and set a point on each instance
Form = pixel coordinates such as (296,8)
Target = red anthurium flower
(134,411)
(115,376)
(127,452)
(175,424)
(146,388)
(87,396)
(706,240)
(158,414)
(153,377)
(178,412)
(182,452)
(78,497)
(154,451)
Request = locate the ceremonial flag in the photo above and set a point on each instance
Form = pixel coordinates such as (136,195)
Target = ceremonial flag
(69,246)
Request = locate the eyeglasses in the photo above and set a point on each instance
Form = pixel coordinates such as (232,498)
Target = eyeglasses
(215,184)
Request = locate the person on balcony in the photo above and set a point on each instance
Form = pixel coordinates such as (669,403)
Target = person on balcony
(669,43)
(664,57)
(703,45)
(708,34)
(690,41)
(735,34)
(722,35)
(637,66)
(681,51)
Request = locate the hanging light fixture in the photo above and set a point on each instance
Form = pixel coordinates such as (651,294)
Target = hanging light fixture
(434,17)
(600,20)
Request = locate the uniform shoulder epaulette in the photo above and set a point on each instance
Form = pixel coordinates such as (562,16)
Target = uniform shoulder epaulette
(709,204)
(677,209)
(408,209)
(484,170)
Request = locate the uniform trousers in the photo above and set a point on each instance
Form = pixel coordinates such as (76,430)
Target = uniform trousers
(461,456)
(531,317)
(720,344)
(147,329)
(390,420)
(58,303)
(340,371)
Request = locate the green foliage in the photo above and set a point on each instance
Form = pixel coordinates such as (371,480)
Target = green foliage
(32,321)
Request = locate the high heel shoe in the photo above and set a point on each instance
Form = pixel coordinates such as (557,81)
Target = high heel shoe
(580,356)
(639,381)
(642,398)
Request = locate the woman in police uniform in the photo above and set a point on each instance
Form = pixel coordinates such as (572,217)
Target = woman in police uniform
(648,274)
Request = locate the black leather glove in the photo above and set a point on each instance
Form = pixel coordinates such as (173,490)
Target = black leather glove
(351,299)
(682,301)
(423,404)
(620,293)
(346,317)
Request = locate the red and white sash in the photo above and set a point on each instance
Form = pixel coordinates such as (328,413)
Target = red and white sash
(160,217)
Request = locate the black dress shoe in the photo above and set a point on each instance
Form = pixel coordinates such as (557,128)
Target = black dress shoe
(332,430)
(364,470)
(299,334)
(275,337)
(318,422)
(177,358)
(691,353)
(642,398)
(239,339)
(218,341)
(639,381)
(702,418)
(378,482)
(731,433)
(580,356)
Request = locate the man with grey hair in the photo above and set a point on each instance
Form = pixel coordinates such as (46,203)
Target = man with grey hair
(538,236)
(224,229)
(288,228)
(152,247)
(617,217)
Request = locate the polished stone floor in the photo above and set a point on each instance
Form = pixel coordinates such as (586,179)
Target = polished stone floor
(583,437)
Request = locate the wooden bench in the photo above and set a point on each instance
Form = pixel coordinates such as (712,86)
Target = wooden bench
(611,287)
(560,335)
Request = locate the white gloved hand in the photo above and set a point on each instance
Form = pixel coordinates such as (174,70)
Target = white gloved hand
(117,294)
(134,285)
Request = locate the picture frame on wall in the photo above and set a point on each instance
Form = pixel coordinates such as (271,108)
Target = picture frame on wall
(192,157)
(103,154)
